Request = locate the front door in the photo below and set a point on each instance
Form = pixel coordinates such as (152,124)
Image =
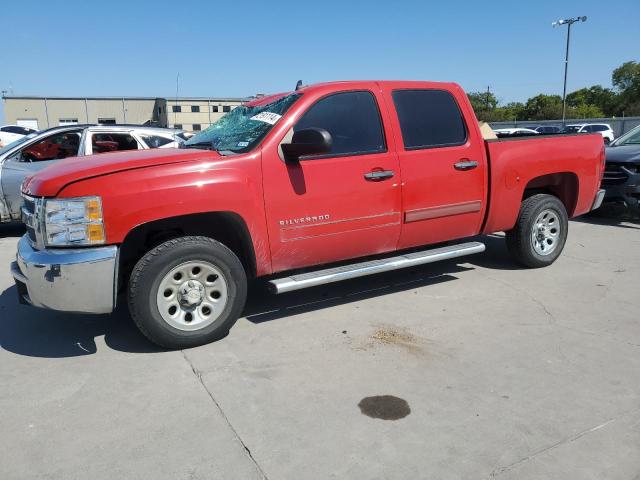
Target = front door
(335,206)
(30,160)
(443,167)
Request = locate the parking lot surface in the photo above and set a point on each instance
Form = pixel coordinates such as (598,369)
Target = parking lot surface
(465,369)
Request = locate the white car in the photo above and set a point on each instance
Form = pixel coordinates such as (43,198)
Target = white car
(514,132)
(603,129)
(11,133)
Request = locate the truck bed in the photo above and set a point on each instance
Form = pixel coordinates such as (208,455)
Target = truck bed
(517,163)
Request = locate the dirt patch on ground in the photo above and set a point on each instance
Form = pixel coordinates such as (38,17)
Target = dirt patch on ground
(389,335)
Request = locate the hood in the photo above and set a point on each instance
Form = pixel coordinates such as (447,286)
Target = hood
(623,154)
(50,181)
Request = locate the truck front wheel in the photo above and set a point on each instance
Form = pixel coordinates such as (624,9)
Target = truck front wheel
(540,231)
(188,291)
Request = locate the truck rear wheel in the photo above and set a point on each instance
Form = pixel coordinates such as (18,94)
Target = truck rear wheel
(540,231)
(188,291)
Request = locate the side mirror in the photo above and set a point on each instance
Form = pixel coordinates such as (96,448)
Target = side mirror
(309,141)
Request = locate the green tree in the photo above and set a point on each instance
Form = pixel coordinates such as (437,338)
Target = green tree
(585,110)
(479,101)
(626,81)
(543,107)
(514,111)
(604,99)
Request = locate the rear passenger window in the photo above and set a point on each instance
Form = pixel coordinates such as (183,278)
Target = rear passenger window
(352,119)
(429,118)
(112,142)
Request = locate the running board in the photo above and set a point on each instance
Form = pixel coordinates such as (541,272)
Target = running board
(354,270)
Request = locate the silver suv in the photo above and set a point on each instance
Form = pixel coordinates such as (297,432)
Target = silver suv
(35,151)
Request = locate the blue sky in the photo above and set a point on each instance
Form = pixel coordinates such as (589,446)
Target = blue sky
(239,48)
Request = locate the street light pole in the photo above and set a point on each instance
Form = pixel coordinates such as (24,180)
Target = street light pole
(568,22)
(566,67)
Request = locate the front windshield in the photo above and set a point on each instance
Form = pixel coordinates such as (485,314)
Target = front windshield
(630,138)
(17,142)
(571,129)
(243,128)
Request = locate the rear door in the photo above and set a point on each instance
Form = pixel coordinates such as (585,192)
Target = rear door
(333,206)
(442,164)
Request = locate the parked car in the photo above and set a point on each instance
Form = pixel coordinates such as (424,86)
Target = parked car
(546,129)
(35,151)
(294,181)
(603,129)
(11,133)
(622,172)
(514,132)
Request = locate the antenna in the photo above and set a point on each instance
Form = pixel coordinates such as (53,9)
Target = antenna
(299,85)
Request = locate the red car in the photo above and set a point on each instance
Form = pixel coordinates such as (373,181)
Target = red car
(283,187)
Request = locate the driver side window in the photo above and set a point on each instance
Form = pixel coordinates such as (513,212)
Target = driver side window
(54,147)
(352,119)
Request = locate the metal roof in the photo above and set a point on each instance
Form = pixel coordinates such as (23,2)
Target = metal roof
(179,99)
(44,97)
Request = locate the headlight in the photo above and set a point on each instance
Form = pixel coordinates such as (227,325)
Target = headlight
(73,221)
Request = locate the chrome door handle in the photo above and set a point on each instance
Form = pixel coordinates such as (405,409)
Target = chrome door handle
(378,175)
(465,165)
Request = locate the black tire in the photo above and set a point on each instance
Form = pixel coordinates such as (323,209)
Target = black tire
(519,240)
(153,267)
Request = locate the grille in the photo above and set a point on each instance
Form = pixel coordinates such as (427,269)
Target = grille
(614,175)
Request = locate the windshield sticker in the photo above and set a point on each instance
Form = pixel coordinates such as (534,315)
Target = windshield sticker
(267,117)
(242,144)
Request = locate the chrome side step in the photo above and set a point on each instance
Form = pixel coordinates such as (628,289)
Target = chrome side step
(330,275)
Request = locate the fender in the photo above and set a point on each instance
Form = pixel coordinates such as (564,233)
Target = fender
(225,184)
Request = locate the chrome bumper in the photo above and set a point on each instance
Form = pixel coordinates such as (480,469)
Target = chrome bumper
(598,200)
(70,280)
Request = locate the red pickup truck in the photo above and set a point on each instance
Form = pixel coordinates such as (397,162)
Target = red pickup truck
(325,183)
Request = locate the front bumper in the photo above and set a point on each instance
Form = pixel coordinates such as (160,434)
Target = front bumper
(622,185)
(70,280)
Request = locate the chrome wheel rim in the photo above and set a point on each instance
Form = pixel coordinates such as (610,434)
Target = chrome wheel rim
(192,295)
(545,233)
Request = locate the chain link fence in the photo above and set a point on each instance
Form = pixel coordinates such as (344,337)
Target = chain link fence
(619,125)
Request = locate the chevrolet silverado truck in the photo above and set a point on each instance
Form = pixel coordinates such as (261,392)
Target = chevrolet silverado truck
(326,183)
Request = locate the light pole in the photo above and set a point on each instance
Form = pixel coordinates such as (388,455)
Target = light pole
(568,22)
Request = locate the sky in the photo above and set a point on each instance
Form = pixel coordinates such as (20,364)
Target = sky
(240,48)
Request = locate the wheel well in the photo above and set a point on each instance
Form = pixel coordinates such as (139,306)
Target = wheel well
(562,185)
(226,227)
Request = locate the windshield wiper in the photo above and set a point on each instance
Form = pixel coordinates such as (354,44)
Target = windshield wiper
(205,145)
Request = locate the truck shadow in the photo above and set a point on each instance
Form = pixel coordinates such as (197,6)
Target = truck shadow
(263,306)
(34,332)
(612,214)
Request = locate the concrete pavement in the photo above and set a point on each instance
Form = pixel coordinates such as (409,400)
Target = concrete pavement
(504,373)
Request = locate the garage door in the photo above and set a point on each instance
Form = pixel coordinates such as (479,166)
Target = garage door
(29,123)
